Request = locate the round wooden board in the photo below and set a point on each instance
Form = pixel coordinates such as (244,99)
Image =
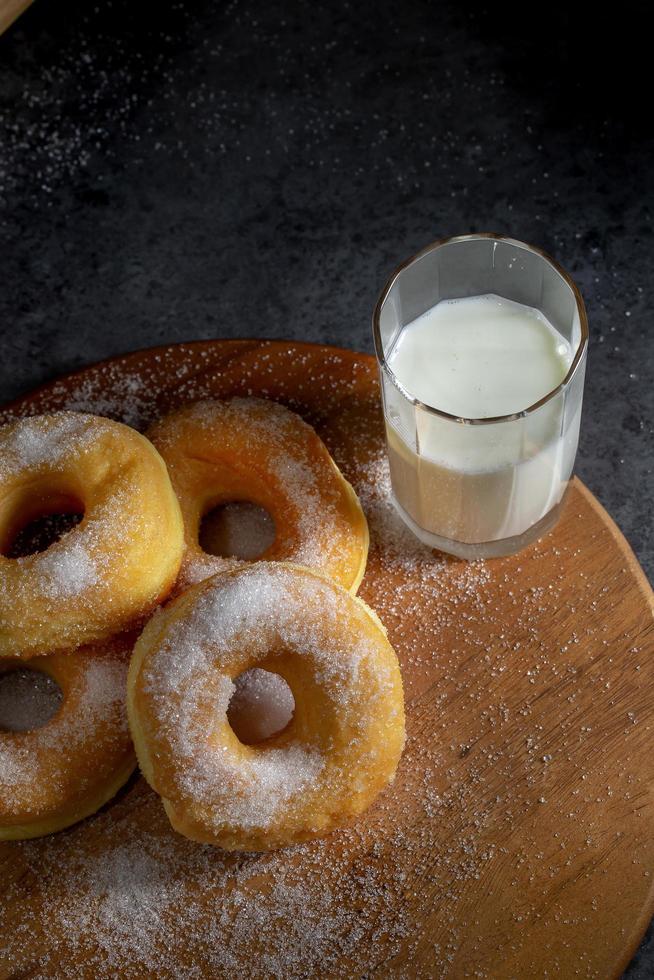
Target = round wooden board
(517,839)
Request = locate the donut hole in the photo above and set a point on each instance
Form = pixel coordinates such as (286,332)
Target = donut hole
(40,523)
(237,529)
(261,706)
(28,699)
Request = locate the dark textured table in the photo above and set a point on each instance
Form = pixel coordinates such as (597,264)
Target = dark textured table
(257,169)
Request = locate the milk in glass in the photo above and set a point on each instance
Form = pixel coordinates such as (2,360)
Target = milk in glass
(478,358)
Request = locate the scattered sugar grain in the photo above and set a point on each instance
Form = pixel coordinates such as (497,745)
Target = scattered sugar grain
(39,442)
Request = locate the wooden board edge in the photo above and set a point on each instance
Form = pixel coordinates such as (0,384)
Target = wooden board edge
(639,929)
(643,921)
(10,10)
(160,349)
(634,565)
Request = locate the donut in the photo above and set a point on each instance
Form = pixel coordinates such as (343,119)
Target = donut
(110,569)
(53,776)
(253,450)
(342,745)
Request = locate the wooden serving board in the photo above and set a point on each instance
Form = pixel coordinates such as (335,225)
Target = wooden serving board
(518,838)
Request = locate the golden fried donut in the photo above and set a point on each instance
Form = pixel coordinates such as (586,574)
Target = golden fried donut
(342,745)
(113,567)
(53,776)
(249,449)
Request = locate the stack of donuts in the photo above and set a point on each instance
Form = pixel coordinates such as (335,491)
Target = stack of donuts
(154,641)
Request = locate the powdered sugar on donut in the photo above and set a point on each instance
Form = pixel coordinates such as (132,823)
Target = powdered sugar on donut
(42,757)
(259,610)
(68,572)
(43,440)
(256,608)
(304,478)
(252,797)
(108,569)
(247,792)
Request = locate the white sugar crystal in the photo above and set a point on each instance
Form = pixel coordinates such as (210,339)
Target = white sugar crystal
(68,571)
(40,441)
(250,797)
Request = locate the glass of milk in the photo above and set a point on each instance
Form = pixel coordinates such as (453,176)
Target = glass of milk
(481,342)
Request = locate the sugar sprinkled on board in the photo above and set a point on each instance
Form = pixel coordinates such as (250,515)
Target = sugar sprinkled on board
(261,706)
(420,576)
(122,396)
(397,545)
(286,914)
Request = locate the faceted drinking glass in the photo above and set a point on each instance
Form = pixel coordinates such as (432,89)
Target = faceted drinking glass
(480,488)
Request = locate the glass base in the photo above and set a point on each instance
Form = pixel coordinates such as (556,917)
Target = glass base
(484,549)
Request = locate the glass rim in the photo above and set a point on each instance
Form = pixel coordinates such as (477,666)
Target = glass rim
(431,409)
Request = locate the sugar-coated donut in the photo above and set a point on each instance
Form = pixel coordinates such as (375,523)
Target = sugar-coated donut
(250,449)
(342,745)
(113,567)
(53,776)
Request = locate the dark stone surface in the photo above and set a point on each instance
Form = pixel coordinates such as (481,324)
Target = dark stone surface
(257,169)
